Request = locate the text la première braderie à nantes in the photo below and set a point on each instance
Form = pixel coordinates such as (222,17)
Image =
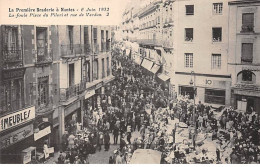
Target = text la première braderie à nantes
(42,10)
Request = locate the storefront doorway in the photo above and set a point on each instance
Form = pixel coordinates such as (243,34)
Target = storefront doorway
(185,90)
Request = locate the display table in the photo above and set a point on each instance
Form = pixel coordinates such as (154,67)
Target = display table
(27,154)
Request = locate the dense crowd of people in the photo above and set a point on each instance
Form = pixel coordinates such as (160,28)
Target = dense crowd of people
(137,103)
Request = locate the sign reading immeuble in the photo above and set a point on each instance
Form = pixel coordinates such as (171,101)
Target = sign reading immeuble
(17,118)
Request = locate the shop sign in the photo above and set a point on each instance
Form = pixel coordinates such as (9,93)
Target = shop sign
(250,69)
(208,82)
(17,118)
(71,108)
(89,94)
(13,73)
(42,133)
(16,136)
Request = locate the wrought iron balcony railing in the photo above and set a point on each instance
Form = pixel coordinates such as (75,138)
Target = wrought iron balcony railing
(44,56)
(72,49)
(87,49)
(72,91)
(95,49)
(12,55)
(42,108)
(154,42)
(11,106)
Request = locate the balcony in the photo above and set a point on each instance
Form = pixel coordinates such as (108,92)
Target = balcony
(72,50)
(87,49)
(72,91)
(11,106)
(247,28)
(44,108)
(44,57)
(151,42)
(95,49)
(168,22)
(12,55)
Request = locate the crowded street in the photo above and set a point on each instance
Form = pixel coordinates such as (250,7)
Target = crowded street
(130,82)
(138,114)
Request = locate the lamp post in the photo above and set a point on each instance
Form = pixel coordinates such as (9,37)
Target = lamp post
(194,128)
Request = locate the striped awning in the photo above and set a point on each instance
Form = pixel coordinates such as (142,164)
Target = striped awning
(155,68)
(147,64)
(163,77)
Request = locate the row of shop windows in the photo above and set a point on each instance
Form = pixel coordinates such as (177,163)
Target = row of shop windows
(212,96)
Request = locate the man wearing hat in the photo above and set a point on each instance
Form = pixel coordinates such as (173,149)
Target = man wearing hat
(122,142)
(106,141)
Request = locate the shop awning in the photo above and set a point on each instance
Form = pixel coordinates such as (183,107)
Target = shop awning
(163,77)
(147,64)
(155,68)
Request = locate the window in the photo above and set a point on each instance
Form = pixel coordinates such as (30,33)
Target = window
(247,22)
(216,34)
(11,49)
(189,91)
(43,91)
(215,96)
(95,70)
(247,53)
(189,34)
(247,76)
(108,68)
(103,68)
(95,40)
(217,8)
(86,73)
(13,95)
(107,42)
(71,75)
(189,9)
(70,31)
(42,43)
(188,60)
(11,39)
(102,41)
(86,40)
(216,61)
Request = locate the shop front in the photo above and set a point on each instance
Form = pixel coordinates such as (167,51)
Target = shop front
(164,81)
(214,91)
(89,100)
(16,134)
(72,116)
(187,91)
(246,98)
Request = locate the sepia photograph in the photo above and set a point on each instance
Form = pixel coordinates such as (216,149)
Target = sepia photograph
(174,82)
